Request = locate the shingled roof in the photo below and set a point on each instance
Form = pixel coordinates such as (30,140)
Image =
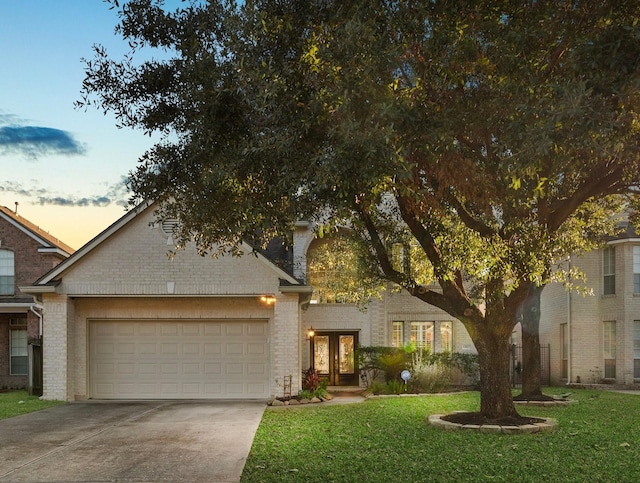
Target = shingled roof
(44,238)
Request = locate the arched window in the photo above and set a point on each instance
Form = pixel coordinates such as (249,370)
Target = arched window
(334,271)
(7,272)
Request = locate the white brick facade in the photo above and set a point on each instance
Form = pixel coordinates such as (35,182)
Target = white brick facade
(126,275)
(584,317)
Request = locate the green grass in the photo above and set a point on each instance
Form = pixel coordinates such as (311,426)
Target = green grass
(15,403)
(389,440)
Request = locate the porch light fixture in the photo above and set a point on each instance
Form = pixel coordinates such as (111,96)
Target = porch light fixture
(268,299)
(310,333)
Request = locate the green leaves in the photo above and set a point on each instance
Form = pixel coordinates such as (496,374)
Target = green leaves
(481,136)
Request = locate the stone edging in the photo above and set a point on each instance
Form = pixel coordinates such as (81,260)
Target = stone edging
(437,421)
(557,402)
(297,402)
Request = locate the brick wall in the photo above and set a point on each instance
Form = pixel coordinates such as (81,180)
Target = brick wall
(55,348)
(585,315)
(29,265)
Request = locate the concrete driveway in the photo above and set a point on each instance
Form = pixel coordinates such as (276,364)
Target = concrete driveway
(138,441)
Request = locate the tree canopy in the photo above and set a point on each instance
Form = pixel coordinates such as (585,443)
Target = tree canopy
(495,137)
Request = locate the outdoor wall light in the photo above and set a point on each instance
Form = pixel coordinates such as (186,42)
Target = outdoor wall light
(310,333)
(268,299)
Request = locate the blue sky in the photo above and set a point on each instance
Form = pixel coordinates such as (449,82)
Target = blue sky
(65,167)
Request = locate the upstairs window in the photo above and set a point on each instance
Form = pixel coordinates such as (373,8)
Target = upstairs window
(609,271)
(335,272)
(7,272)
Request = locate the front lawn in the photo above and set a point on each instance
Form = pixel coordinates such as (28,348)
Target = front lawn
(15,403)
(388,439)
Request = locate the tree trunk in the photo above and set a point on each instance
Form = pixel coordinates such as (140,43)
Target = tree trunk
(494,354)
(531,377)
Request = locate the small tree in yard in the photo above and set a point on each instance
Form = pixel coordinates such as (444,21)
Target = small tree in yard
(481,135)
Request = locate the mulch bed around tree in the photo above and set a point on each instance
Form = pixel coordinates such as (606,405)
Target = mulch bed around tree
(479,419)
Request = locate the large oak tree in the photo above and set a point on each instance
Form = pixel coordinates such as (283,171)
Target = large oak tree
(484,135)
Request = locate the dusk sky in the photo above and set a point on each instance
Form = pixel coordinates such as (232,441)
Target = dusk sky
(65,167)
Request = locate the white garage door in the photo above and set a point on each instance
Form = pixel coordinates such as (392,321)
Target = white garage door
(179,360)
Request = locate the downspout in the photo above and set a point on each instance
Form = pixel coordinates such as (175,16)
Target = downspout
(39,318)
(569,326)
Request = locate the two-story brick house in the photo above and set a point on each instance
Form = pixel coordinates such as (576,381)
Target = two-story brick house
(26,253)
(124,320)
(595,338)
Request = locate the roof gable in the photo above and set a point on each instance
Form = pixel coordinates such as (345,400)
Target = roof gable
(131,257)
(48,242)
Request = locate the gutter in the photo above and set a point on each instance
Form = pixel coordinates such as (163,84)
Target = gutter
(39,315)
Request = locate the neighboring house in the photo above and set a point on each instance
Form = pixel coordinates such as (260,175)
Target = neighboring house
(123,320)
(596,338)
(26,253)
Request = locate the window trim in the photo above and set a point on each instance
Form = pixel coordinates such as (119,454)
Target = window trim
(636,269)
(397,341)
(443,325)
(636,349)
(7,272)
(12,356)
(609,271)
(609,349)
(564,350)
(423,327)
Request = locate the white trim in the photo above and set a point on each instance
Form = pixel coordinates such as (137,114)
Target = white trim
(296,289)
(128,217)
(34,289)
(31,234)
(55,250)
(623,240)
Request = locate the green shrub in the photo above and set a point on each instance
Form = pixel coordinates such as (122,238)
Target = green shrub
(375,362)
(392,365)
(377,387)
(395,386)
(430,372)
(306,394)
(430,378)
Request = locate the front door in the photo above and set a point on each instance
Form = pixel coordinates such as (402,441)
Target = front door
(334,357)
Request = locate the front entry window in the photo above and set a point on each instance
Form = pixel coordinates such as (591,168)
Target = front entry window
(321,354)
(346,354)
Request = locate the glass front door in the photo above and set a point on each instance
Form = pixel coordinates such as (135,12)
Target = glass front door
(334,357)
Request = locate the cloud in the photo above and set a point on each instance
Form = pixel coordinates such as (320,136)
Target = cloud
(35,141)
(115,194)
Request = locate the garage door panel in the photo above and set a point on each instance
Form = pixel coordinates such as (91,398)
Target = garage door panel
(257,330)
(169,359)
(147,330)
(191,329)
(234,329)
(124,330)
